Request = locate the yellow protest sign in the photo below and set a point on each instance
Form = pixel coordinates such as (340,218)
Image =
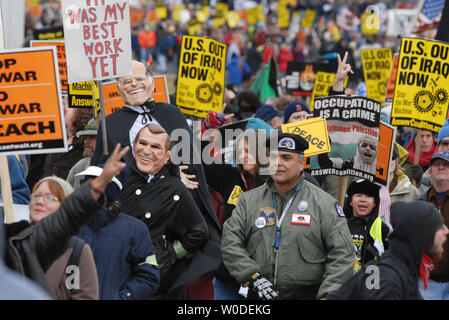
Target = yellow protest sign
(201,75)
(232,18)
(309,17)
(81,95)
(283,17)
(370,23)
(161,10)
(376,70)
(314,130)
(323,82)
(420,97)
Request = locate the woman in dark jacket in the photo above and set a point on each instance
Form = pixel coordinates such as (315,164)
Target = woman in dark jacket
(31,249)
(368,231)
(122,248)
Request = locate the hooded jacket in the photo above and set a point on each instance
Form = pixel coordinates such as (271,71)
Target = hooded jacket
(122,250)
(397,271)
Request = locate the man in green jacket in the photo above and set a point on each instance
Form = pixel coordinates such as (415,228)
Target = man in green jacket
(288,239)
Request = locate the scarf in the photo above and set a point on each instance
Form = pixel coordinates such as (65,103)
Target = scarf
(424,269)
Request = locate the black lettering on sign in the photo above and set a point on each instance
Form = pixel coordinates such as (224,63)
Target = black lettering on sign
(20,108)
(27,128)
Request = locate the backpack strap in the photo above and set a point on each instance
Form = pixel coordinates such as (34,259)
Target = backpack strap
(77,245)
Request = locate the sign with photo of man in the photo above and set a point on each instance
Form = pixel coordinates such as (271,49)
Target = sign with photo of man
(353,127)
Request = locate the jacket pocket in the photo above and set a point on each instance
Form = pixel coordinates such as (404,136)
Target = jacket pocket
(256,247)
(309,251)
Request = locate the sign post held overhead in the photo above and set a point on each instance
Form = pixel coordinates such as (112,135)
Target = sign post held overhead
(98,43)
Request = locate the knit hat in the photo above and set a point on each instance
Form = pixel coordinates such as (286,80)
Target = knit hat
(434,222)
(364,187)
(294,106)
(66,187)
(444,131)
(267,112)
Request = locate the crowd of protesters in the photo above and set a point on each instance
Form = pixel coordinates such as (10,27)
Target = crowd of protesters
(135,225)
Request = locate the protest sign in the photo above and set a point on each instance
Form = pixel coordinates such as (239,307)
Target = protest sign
(60,49)
(420,97)
(384,152)
(314,131)
(392,79)
(31,110)
(353,127)
(309,17)
(201,76)
(300,77)
(97,38)
(376,70)
(283,14)
(323,82)
(52,33)
(84,95)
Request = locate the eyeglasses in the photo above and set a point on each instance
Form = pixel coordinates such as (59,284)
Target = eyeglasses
(445,142)
(47,198)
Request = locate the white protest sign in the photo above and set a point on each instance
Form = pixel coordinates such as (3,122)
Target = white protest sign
(97,39)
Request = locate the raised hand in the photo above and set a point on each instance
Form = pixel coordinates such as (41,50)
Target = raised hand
(342,72)
(112,167)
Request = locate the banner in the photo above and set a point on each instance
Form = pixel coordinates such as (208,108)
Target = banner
(353,127)
(31,110)
(376,70)
(60,49)
(323,82)
(201,76)
(314,131)
(421,90)
(400,22)
(113,101)
(97,39)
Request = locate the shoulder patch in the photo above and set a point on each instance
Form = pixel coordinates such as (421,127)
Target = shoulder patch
(234,197)
(340,211)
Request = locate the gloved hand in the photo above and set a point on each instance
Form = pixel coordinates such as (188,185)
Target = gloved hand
(213,120)
(263,287)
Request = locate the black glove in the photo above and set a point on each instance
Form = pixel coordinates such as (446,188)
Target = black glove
(263,287)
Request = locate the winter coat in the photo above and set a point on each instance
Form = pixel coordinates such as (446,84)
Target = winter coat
(80,166)
(19,186)
(170,118)
(404,190)
(363,231)
(316,254)
(394,276)
(168,210)
(424,158)
(31,249)
(124,256)
(58,275)
(13,285)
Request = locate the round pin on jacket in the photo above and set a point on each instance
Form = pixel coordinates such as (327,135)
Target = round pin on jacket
(303,205)
(260,222)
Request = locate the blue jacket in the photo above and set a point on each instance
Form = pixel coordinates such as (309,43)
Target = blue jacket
(235,74)
(123,253)
(19,186)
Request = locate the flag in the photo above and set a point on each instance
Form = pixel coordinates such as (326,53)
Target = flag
(347,20)
(429,16)
(266,83)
